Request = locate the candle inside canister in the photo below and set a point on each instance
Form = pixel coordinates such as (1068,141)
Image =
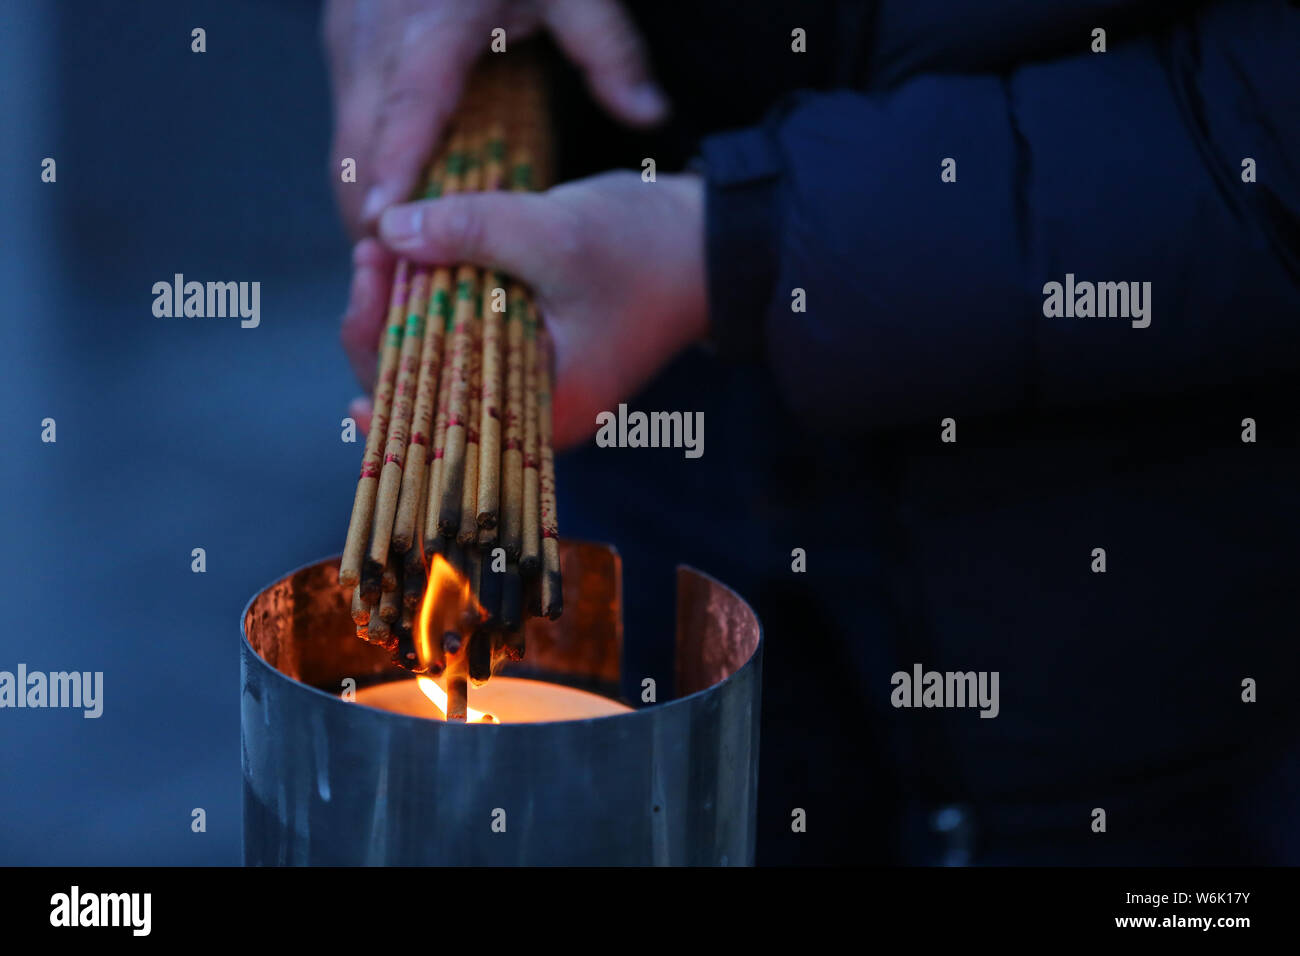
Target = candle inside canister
(511,700)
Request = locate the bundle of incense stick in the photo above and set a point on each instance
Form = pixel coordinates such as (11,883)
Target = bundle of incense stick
(458,465)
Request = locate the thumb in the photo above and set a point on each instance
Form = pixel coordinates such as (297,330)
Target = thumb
(524,234)
(422,81)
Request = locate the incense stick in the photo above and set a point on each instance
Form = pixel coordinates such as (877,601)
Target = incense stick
(512,458)
(489,469)
(552,593)
(399,425)
(530,547)
(460,457)
(372,460)
(468,532)
(453,469)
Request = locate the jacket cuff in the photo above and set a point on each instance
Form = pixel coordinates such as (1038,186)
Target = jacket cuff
(742,172)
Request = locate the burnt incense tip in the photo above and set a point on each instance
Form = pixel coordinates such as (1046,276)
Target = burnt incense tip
(487,719)
(435,668)
(480,657)
(486,520)
(489,592)
(455,556)
(451,643)
(552,596)
(511,599)
(529,564)
(533,596)
(515,645)
(371,579)
(379,631)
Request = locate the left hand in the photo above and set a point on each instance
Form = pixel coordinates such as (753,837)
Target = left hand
(616,266)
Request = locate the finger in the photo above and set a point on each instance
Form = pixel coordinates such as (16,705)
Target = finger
(363,320)
(573,420)
(353,120)
(529,236)
(361,410)
(602,40)
(424,75)
(350,32)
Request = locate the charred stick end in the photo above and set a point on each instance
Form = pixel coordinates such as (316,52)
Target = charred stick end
(515,645)
(360,610)
(552,595)
(489,591)
(371,582)
(480,658)
(512,588)
(533,596)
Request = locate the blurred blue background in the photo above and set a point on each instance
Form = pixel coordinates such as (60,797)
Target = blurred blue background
(172,433)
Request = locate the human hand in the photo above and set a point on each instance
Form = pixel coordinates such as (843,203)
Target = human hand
(616,266)
(397,69)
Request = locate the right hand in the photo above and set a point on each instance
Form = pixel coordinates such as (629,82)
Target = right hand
(397,69)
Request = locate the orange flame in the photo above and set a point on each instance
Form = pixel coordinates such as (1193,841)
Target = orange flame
(445,599)
(446,605)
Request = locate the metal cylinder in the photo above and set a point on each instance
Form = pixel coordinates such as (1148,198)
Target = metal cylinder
(332,782)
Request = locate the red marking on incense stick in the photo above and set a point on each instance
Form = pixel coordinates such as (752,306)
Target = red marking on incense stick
(419,439)
(370,469)
(395,459)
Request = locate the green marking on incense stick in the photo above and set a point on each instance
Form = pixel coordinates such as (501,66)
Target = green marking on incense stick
(523,176)
(434,191)
(456,164)
(463,291)
(441,303)
(395,336)
(496,149)
(415,325)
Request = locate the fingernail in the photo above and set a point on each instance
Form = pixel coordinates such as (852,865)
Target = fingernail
(647,101)
(377,200)
(401,224)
